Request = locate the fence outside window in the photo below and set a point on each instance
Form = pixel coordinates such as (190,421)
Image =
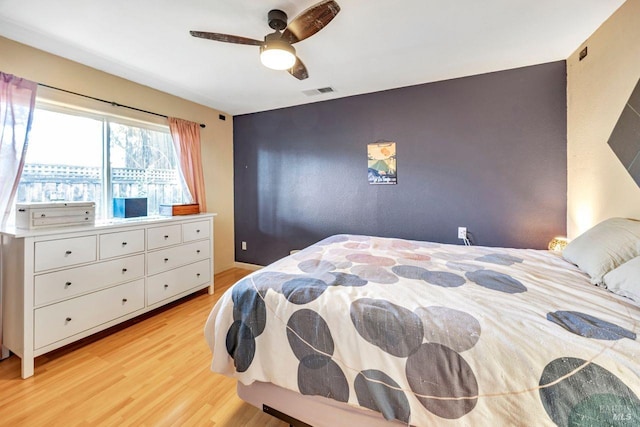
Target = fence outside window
(41,182)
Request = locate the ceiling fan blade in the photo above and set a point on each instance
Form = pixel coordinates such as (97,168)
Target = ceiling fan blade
(299,71)
(311,21)
(227,38)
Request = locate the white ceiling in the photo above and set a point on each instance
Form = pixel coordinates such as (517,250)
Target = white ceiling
(371,45)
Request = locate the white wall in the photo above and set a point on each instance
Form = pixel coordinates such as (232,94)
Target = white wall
(598,88)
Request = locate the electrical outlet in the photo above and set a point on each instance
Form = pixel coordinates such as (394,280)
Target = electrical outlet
(462,232)
(244,246)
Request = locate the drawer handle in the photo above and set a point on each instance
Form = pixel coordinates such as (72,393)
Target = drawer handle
(68,319)
(42,215)
(166,286)
(67,253)
(124,270)
(66,285)
(124,243)
(166,237)
(166,259)
(197,231)
(124,300)
(197,274)
(198,251)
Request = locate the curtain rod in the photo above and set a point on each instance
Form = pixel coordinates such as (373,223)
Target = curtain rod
(115,104)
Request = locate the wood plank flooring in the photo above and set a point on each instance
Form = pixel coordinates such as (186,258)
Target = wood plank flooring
(151,371)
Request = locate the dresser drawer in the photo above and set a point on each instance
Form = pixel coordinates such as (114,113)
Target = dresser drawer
(65,284)
(121,243)
(167,259)
(59,321)
(195,231)
(64,252)
(160,237)
(165,285)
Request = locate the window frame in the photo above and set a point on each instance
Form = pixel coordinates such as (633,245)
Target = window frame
(49,103)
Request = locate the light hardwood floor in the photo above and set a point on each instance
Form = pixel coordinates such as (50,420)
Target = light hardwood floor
(153,371)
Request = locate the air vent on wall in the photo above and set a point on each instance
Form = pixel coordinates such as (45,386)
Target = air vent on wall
(312,92)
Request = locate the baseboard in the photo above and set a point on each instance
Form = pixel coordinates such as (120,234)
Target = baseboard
(246,266)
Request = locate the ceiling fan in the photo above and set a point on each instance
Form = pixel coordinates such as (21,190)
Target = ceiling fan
(276,50)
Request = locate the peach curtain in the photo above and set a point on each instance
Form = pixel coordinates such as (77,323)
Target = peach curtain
(186,140)
(17,103)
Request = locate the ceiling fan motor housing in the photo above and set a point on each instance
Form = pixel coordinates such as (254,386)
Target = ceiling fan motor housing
(277,19)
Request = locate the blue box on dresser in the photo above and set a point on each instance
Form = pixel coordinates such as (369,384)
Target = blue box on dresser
(129,207)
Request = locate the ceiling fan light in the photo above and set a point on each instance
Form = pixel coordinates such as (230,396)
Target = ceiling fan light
(277,55)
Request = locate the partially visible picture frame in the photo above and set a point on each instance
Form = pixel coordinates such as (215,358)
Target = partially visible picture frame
(381,159)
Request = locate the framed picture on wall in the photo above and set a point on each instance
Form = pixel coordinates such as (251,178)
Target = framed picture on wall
(381,158)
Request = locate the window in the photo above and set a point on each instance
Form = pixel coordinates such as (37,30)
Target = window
(75,155)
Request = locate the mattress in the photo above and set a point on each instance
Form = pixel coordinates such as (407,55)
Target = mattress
(434,334)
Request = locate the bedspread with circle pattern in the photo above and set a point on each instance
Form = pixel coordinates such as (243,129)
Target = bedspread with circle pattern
(433,334)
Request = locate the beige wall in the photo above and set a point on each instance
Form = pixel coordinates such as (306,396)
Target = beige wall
(598,88)
(217,137)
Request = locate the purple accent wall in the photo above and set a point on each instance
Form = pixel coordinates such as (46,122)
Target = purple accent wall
(488,152)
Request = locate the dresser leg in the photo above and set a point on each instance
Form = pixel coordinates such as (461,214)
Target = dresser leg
(27,367)
(210,289)
(5,353)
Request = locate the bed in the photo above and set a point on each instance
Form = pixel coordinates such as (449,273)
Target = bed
(363,330)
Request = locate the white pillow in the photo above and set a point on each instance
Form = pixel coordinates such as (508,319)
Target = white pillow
(604,247)
(625,280)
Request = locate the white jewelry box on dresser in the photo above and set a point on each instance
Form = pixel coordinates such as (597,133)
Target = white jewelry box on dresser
(54,214)
(62,284)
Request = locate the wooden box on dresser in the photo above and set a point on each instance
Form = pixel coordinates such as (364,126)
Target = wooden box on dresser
(61,285)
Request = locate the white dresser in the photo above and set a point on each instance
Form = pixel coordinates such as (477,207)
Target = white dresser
(60,285)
